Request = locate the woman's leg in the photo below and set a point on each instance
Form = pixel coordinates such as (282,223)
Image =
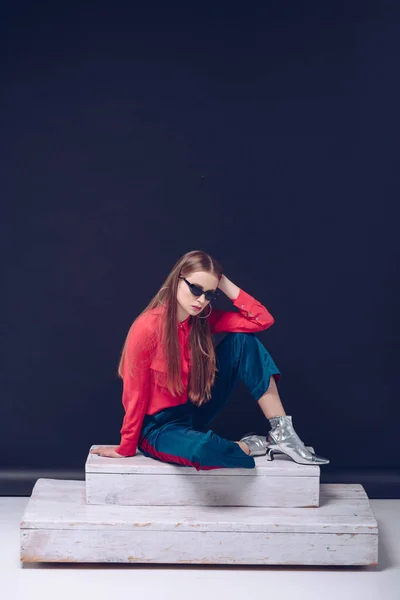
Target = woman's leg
(270,402)
(241,356)
(169,436)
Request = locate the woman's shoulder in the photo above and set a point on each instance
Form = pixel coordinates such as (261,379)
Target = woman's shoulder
(144,332)
(147,317)
(147,322)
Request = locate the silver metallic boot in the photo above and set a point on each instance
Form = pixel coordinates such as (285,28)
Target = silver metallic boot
(257,445)
(282,437)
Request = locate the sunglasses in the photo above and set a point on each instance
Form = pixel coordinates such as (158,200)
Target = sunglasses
(197,291)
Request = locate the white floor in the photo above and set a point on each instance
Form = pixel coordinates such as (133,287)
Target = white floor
(100,581)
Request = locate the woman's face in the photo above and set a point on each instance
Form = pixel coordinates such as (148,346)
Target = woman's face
(186,300)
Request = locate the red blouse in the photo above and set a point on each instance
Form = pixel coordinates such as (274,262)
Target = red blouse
(140,394)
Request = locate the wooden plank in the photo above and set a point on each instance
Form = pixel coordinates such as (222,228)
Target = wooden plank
(343,490)
(179,490)
(185,547)
(58,526)
(144,481)
(61,505)
(281,466)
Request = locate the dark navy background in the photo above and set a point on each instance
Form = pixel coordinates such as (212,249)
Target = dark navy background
(265,135)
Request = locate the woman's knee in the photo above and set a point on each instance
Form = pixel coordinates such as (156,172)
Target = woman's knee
(240,337)
(243,339)
(245,344)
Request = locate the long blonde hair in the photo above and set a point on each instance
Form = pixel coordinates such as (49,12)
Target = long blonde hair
(203,367)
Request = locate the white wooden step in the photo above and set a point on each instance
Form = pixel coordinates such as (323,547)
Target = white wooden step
(143,481)
(58,526)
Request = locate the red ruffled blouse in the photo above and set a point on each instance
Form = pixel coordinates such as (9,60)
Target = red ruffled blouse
(142,369)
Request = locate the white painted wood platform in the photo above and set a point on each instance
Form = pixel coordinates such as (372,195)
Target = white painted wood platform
(142,481)
(59,526)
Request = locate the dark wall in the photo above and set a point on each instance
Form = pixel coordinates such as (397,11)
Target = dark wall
(267,136)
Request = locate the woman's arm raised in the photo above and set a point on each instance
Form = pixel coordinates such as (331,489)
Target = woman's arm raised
(253,315)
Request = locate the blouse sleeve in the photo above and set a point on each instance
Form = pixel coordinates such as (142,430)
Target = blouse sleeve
(252,316)
(135,375)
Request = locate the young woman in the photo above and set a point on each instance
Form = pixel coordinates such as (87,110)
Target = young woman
(175,381)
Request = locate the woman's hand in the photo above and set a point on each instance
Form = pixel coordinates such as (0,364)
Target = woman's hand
(107,451)
(228,287)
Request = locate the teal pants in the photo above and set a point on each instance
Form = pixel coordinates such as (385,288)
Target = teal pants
(176,435)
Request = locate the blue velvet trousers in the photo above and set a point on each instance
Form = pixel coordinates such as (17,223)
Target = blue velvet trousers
(176,435)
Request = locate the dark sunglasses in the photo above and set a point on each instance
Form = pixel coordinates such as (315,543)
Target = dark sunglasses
(197,291)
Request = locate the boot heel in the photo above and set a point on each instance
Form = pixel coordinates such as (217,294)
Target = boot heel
(274,448)
(270,454)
